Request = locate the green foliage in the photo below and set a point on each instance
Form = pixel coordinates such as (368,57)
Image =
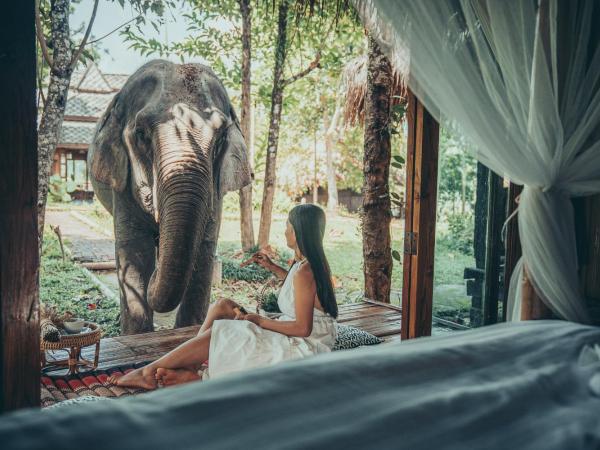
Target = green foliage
(282,203)
(269,303)
(252,272)
(66,286)
(231,202)
(59,189)
(458,173)
(350,161)
(397,117)
(214,35)
(459,236)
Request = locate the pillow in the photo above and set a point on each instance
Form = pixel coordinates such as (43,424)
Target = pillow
(352,337)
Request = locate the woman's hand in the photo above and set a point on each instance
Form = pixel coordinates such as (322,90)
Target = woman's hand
(240,313)
(254,318)
(261,258)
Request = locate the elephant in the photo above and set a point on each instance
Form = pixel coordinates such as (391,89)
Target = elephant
(164,153)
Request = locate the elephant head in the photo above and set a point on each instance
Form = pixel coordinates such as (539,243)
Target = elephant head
(172,138)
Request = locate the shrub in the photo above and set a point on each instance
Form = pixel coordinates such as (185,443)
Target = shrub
(459,236)
(59,189)
(252,272)
(269,303)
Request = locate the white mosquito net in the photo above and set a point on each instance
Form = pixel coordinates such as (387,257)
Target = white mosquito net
(521,80)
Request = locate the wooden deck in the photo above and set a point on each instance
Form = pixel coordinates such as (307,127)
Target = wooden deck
(377,318)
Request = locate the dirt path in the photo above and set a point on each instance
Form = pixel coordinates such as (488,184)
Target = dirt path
(85,243)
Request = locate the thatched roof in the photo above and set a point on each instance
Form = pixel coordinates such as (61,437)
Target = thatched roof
(354,90)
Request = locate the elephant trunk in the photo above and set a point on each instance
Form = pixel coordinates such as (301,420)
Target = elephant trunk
(183,179)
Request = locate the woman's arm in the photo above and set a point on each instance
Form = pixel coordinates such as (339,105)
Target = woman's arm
(304,292)
(278,271)
(262,259)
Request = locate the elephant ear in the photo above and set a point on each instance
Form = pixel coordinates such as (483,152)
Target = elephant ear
(110,163)
(235,171)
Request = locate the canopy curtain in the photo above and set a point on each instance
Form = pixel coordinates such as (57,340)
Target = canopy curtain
(528,101)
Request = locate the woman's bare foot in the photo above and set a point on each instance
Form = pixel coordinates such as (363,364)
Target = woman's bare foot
(171,377)
(140,378)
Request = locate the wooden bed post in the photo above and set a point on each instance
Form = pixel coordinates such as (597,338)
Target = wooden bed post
(19,259)
(421,204)
(496,215)
(513,243)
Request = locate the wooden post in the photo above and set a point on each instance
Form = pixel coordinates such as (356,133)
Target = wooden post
(475,276)
(496,209)
(513,243)
(421,203)
(19,259)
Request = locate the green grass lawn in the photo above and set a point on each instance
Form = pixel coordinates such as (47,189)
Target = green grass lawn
(66,286)
(343,247)
(342,243)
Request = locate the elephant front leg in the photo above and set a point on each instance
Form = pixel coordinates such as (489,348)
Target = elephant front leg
(135,253)
(133,259)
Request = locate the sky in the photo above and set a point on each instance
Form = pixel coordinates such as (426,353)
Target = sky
(109,16)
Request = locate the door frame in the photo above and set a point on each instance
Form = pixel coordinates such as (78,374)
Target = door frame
(420,219)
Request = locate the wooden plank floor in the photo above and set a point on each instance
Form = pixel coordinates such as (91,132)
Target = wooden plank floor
(376,318)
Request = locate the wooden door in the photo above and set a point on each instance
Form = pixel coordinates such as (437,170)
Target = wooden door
(420,220)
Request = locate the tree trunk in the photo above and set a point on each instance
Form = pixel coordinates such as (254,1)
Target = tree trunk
(330,134)
(315,182)
(247,227)
(376,219)
(56,101)
(274,123)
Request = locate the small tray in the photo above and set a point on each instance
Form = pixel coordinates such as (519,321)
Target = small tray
(75,340)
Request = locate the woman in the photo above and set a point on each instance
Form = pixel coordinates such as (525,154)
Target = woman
(233,341)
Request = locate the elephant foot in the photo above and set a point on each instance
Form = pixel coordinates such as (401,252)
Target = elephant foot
(143,377)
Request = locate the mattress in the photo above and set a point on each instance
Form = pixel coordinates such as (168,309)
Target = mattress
(527,385)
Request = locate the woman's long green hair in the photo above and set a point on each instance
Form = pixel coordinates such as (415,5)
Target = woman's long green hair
(308,221)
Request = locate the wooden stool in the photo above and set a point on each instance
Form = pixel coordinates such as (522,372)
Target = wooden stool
(73,343)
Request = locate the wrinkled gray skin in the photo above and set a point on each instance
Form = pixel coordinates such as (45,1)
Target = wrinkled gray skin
(166,150)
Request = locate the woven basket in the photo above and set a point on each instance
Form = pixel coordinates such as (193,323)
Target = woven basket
(270,284)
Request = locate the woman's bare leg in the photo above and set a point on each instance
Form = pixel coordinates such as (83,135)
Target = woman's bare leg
(221,309)
(190,353)
(185,358)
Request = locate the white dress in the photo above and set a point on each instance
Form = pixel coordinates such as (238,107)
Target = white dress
(237,345)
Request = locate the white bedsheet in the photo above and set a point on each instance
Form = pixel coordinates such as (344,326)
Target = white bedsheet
(508,386)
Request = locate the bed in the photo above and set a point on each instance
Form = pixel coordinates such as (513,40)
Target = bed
(527,385)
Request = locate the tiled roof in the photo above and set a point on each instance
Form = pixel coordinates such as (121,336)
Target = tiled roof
(83,103)
(92,80)
(87,104)
(116,80)
(77,132)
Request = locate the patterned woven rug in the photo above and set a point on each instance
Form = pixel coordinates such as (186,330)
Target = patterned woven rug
(57,389)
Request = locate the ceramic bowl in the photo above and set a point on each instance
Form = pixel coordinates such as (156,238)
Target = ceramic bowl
(74,325)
